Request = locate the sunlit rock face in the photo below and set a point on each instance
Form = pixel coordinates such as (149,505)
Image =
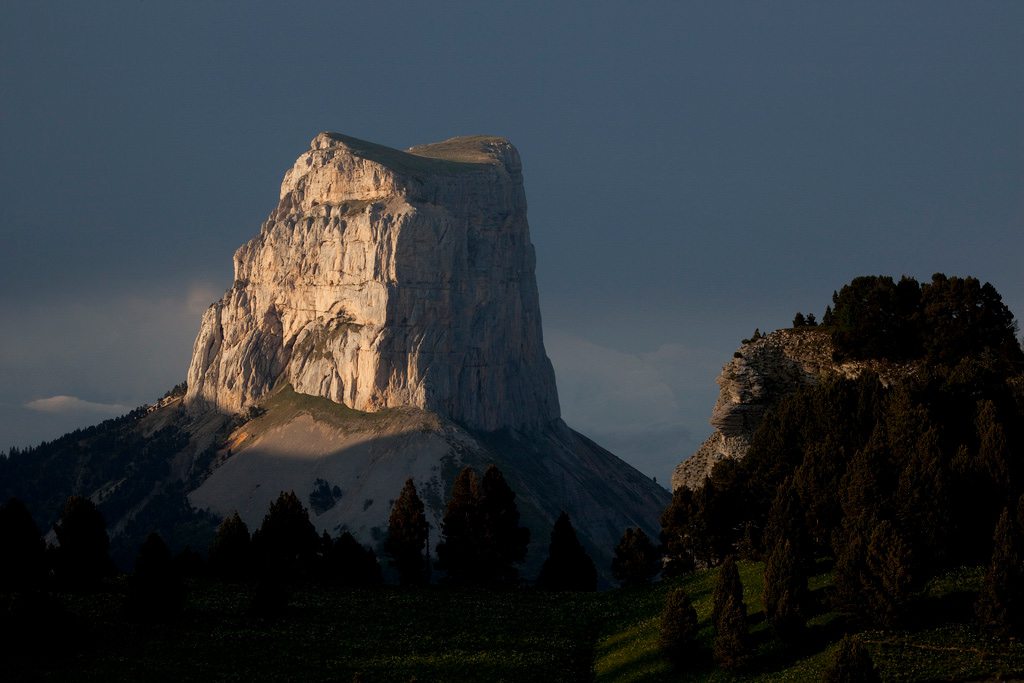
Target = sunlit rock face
(387,279)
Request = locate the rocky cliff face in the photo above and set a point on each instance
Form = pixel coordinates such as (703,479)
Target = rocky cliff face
(387,279)
(761,372)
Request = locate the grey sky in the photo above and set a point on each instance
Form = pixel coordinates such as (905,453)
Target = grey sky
(694,170)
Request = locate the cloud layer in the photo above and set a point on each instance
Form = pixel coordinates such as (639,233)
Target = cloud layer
(73,404)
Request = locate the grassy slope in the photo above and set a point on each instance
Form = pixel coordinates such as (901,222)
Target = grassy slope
(440,635)
(952,651)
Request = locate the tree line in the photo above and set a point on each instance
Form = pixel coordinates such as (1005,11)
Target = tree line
(481,545)
(886,486)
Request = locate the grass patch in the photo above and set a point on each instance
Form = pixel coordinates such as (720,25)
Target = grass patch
(285,404)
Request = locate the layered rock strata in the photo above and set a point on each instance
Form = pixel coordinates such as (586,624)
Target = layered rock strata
(387,279)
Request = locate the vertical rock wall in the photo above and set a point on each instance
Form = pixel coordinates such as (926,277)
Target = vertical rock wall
(384,279)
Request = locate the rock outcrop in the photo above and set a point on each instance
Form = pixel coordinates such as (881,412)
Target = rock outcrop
(761,372)
(385,324)
(387,279)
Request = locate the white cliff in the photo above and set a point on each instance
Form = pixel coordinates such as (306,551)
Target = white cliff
(387,279)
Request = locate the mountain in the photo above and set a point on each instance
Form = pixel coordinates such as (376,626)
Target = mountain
(383,324)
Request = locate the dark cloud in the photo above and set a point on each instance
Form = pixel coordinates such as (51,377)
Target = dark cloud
(693,171)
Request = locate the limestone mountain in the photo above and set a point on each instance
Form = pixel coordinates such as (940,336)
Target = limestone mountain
(383,324)
(388,279)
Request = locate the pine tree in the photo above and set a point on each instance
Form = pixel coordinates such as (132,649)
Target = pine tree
(458,553)
(286,543)
(1000,606)
(568,567)
(83,557)
(886,579)
(503,542)
(350,564)
(680,532)
(731,645)
(826,319)
(636,559)
(852,664)
(924,503)
(785,591)
(407,537)
(22,547)
(728,583)
(230,556)
(156,592)
(679,626)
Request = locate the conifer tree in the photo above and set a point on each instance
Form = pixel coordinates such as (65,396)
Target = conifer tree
(407,537)
(852,664)
(785,591)
(503,542)
(83,557)
(568,567)
(728,583)
(681,532)
(636,559)
(350,564)
(1000,606)
(458,553)
(286,543)
(924,504)
(887,579)
(731,645)
(22,547)
(230,556)
(679,626)
(156,592)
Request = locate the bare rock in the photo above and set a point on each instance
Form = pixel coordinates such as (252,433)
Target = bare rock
(387,279)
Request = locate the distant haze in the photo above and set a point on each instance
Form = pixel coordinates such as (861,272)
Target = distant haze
(694,171)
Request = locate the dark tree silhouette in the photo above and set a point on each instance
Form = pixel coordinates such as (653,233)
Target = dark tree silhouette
(961,317)
(875,317)
(888,580)
(681,532)
(636,559)
(83,557)
(727,583)
(679,626)
(799,320)
(350,564)
(286,543)
(568,567)
(406,543)
(230,554)
(1000,606)
(785,591)
(729,616)
(503,542)
(22,547)
(156,592)
(458,553)
(852,664)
